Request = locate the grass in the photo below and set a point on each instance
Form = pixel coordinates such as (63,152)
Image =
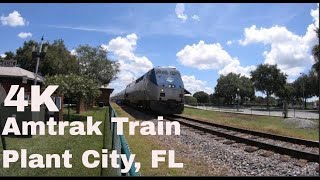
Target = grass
(142,146)
(274,125)
(57,145)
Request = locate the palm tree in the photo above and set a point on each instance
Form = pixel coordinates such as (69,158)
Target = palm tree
(316,66)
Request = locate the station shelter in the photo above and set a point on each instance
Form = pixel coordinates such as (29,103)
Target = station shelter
(11,74)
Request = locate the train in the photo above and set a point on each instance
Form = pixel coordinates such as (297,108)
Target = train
(160,90)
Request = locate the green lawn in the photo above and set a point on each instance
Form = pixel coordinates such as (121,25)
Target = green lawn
(57,145)
(268,124)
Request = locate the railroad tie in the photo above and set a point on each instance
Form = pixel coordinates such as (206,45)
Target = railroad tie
(284,158)
(301,163)
(219,138)
(251,149)
(238,145)
(266,153)
(228,142)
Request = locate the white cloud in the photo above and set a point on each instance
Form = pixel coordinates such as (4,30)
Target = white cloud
(73,52)
(290,80)
(229,43)
(194,85)
(204,56)
(13,19)
(195,17)
(131,65)
(235,67)
(123,47)
(180,12)
(24,35)
(210,56)
(3,55)
(290,51)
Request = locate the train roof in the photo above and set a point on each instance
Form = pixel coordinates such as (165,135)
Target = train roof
(165,68)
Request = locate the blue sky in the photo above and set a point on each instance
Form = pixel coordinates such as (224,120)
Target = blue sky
(201,40)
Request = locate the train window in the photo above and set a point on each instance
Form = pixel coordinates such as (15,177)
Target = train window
(139,79)
(159,72)
(173,73)
(153,76)
(165,72)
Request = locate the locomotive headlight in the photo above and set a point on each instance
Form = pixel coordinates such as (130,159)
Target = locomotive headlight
(161,90)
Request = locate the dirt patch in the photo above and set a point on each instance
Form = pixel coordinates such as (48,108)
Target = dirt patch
(237,116)
(301,123)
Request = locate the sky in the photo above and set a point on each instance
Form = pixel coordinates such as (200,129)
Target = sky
(203,41)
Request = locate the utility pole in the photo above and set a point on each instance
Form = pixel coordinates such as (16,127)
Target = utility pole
(38,54)
(238,98)
(303,91)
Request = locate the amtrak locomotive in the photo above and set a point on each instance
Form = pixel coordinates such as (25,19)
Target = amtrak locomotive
(160,90)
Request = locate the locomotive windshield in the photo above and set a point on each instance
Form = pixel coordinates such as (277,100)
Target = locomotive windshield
(166,77)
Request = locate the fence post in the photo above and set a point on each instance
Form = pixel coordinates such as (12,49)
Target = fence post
(112,126)
(3,141)
(126,150)
(122,166)
(104,138)
(119,144)
(110,115)
(114,136)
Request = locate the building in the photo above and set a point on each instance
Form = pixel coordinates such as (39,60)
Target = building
(105,95)
(12,75)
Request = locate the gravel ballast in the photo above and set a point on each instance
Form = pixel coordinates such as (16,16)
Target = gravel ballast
(218,152)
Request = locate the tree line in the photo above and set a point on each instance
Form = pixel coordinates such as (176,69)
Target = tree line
(267,79)
(79,75)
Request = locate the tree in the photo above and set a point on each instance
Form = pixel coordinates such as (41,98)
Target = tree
(58,59)
(316,68)
(316,53)
(304,87)
(94,63)
(227,87)
(74,86)
(314,83)
(190,100)
(246,88)
(268,79)
(202,97)
(24,56)
(260,100)
(8,55)
(286,93)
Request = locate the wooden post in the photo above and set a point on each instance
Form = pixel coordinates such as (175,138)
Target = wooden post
(3,141)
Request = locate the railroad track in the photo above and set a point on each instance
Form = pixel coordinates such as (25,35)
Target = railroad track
(296,148)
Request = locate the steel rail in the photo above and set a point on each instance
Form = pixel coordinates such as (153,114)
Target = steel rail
(262,145)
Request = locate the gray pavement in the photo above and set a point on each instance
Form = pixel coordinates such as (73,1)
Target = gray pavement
(292,113)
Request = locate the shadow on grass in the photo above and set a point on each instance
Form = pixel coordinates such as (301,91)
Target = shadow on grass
(138,114)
